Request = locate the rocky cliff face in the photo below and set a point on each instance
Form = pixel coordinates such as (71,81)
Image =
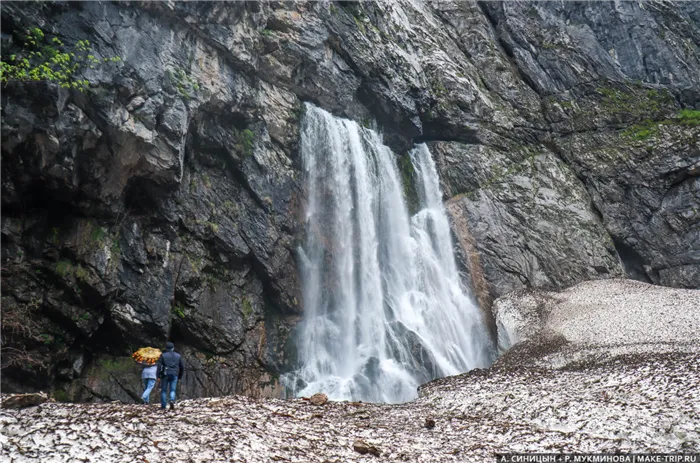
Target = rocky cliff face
(165,201)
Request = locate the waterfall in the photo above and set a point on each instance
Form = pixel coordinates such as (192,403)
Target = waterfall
(384,307)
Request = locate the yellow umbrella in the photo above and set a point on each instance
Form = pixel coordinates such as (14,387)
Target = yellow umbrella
(146,355)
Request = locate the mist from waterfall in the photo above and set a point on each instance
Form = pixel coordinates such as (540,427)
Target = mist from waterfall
(384,307)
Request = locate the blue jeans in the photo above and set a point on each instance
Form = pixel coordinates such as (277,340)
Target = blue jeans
(167,382)
(148,384)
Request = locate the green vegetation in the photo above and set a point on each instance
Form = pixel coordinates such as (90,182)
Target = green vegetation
(214,227)
(117,367)
(566,104)
(197,263)
(267,32)
(115,249)
(54,235)
(641,131)
(636,104)
(246,308)
(63,268)
(499,172)
(97,234)
(179,310)
(246,138)
(649,128)
(50,60)
(206,180)
(297,113)
(689,117)
(360,26)
(80,273)
(61,396)
(184,84)
(439,88)
(230,207)
(212,280)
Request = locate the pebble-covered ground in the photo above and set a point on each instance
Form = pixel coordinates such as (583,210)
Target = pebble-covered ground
(653,406)
(633,401)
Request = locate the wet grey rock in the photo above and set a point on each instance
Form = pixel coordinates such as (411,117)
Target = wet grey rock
(530,219)
(647,193)
(596,38)
(161,247)
(24,400)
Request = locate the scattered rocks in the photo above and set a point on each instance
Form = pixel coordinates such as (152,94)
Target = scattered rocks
(363,448)
(549,409)
(24,400)
(589,377)
(318,399)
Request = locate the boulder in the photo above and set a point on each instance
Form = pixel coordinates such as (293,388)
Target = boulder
(24,400)
(318,399)
(363,448)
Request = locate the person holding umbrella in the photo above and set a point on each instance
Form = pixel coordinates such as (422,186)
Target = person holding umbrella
(147,356)
(148,376)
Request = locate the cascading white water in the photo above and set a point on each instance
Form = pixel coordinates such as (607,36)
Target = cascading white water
(385,310)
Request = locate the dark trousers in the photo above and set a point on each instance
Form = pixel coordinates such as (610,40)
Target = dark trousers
(167,382)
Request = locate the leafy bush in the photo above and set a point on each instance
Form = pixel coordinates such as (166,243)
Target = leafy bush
(689,117)
(246,138)
(184,84)
(50,60)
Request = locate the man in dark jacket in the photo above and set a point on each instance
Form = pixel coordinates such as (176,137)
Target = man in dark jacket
(170,369)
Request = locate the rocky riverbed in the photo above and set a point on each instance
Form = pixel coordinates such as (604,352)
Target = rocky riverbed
(636,398)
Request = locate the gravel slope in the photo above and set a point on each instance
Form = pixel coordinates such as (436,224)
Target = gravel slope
(630,399)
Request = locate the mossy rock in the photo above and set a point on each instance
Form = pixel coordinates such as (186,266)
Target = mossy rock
(115,366)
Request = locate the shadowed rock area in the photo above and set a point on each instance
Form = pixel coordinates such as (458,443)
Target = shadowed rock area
(641,396)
